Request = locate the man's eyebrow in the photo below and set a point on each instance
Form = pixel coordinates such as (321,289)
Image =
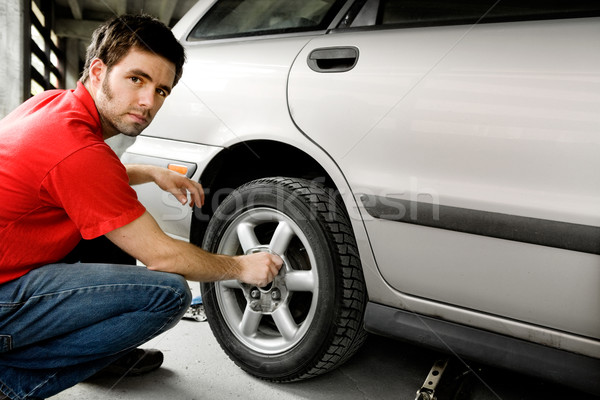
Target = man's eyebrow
(144,75)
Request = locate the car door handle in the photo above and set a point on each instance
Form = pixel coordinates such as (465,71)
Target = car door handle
(333,59)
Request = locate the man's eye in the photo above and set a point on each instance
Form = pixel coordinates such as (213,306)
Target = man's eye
(135,79)
(161,92)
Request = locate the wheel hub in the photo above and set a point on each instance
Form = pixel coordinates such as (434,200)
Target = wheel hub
(268,298)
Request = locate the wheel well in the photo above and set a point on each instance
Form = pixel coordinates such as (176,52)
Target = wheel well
(244,162)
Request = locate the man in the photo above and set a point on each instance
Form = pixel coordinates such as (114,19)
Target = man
(61,322)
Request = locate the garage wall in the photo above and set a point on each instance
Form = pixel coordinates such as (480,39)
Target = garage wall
(11,53)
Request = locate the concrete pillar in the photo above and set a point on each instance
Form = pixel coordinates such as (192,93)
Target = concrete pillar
(72,63)
(12,45)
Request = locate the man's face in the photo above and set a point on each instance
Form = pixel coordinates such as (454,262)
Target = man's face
(132,92)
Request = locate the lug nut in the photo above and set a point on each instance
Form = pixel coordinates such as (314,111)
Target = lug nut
(276,295)
(255,293)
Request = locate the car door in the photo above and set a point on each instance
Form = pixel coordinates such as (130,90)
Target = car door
(471,137)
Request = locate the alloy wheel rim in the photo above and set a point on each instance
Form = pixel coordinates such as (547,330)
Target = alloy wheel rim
(275,318)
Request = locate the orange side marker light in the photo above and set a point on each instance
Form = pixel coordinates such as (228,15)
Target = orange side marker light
(182,169)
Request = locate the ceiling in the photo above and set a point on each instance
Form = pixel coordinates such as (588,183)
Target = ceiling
(77,19)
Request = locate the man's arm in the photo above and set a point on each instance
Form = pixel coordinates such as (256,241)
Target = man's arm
(144,240)
(167,180)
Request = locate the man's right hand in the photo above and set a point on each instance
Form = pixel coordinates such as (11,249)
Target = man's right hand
(258,268)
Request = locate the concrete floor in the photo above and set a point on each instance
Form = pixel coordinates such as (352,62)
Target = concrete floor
(196,368)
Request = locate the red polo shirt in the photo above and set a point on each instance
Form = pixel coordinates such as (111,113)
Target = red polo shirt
(59,181)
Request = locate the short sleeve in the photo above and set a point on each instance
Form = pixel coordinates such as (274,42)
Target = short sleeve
(92,186)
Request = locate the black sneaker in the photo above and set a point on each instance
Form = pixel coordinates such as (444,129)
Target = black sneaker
(136,362)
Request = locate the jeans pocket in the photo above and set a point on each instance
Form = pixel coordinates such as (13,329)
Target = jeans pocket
(6,339)
(5,343)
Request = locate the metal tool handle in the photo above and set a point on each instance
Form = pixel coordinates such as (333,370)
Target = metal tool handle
(427,391)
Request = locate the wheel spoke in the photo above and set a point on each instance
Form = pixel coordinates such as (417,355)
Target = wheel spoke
(230,284)
(250,321)
(281,238)
(300,281)
(285,323)
(247,237)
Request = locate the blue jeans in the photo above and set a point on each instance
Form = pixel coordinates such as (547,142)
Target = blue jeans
(61,323)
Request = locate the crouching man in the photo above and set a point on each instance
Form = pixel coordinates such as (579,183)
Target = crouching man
(71,302)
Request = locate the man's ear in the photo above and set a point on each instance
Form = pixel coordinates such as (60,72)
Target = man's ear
(97,72)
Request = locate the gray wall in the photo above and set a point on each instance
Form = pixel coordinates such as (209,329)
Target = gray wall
(12,51)
(11,55)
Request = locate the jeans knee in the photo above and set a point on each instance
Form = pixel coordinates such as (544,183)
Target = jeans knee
(185,291)
(181,289)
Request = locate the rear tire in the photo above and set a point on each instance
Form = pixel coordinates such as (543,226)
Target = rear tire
(309,320)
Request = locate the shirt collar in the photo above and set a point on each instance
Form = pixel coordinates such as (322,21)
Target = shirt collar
(88,102)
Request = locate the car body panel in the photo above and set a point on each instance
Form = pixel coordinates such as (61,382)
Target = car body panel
(253,72)
(469,121)
(464,98)
(493,276)
(173,217)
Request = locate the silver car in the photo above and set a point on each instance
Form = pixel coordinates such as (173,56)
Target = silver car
(427,170)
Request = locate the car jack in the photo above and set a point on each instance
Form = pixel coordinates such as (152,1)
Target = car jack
(196,310)
(427,391)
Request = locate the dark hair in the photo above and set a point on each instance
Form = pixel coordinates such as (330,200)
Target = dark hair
(112,40)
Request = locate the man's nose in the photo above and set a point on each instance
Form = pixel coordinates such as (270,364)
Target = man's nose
(146,97)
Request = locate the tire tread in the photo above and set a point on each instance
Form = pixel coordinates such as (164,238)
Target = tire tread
(349,334)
